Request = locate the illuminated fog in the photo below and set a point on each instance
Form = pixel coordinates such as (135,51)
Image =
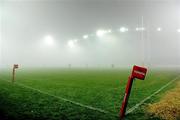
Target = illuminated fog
(55,33)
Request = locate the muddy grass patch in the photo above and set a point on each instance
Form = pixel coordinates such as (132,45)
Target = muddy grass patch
(168,108)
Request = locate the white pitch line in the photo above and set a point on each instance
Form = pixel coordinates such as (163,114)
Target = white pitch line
(147,98)
(63,99)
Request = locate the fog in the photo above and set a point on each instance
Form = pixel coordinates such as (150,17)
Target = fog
(49,33)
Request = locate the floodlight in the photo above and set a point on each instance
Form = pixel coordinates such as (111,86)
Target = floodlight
(75,40)
(48,40)
(123,29)
(159,29)
(100,33)
(178,30)
(70,43)
(140,29)
(85,36)
(137,29)
(109,31)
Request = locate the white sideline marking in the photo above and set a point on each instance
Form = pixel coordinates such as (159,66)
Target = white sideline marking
(98,109)
(147,98)
(64,99)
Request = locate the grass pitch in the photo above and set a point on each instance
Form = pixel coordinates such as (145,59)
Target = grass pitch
(168,108)
(100,89)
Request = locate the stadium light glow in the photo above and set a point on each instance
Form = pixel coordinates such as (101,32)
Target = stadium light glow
(140,29)
(71,43)
(100,33)
(178,30)
(85,36)
(159,29)
(75,40)
(109,31)
(123,29)
(137,29)
(48,40)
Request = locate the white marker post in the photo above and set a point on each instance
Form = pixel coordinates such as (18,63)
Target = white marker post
(13,73)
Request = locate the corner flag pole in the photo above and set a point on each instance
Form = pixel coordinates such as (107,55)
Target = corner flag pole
(139,73)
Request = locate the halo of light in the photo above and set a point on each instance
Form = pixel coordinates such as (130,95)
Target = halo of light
(178,30)
(109,31)
(137,29)
(75,40)
(85,36)
(123,29)
(48,40)
(100,33)
(140,29)
(71,43)
(159,29)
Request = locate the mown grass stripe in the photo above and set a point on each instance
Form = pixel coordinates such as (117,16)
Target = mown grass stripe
(64,99)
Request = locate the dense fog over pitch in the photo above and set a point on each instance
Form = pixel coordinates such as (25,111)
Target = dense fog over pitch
(95,33)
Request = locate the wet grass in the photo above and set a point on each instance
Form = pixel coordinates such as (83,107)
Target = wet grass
(98,88)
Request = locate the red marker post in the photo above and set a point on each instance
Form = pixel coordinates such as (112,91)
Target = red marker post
(139,73)
(13,73)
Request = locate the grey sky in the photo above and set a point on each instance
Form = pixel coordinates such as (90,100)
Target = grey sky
(25,23)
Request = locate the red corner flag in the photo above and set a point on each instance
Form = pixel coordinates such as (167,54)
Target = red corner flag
(139,73)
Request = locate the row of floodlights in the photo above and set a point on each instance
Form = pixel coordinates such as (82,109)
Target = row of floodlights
(99,33)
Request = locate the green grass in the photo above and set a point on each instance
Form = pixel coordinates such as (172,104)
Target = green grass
(99,88)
